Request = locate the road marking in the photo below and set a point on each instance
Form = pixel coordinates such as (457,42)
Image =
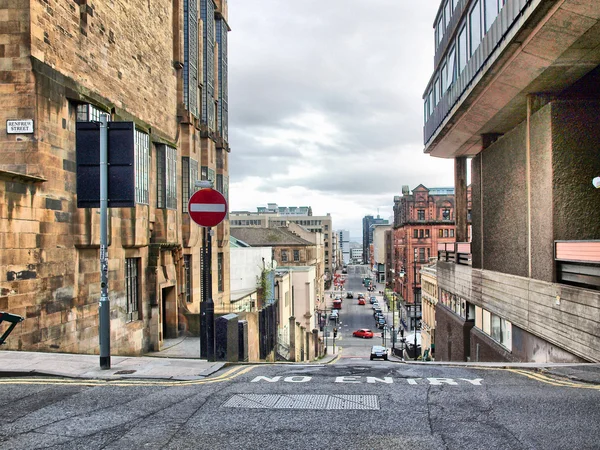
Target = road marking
(316,402)
(554,381)
(230,374)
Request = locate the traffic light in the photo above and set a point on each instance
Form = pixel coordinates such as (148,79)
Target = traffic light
(401,332)
(335,332)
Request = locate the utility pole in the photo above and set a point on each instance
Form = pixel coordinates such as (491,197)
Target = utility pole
(104,305)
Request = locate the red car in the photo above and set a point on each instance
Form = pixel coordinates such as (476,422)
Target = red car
(363,333)
(361,301)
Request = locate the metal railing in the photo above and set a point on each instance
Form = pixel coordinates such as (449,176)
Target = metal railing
(456,252)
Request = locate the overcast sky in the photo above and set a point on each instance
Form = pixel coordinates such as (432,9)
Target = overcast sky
(325,105)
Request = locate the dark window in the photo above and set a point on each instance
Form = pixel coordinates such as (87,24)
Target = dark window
(207,8)
(441,233)
(189,176)
(220,271)
(284,256)
(427,233)
(451,68)
(132,288)
(89,113)
(421,233)
(190,55)
(296,255)
(446,214)
(415,233)
(421,253)
(421,214)
(451,232)
(187,268)
(166,177)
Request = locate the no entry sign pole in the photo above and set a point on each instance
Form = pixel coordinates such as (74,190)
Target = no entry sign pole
(207,208)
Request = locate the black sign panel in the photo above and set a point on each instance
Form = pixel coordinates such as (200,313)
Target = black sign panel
(121,167)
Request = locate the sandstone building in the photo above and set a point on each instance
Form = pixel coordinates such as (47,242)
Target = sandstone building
(160,65)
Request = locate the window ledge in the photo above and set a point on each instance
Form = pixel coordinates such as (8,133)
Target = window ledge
(17,176)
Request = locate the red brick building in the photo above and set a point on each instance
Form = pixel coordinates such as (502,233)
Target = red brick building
(421,221)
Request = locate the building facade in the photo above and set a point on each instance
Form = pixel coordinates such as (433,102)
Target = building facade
(379,251)
(69,62)
(515,87)
(429,297)
(368,235)
(422,220)
(344,239)
(274,216)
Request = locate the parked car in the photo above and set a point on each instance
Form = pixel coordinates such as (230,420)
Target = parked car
(349,294)
(376,305)
(361,295)
(377,311)
(334,315)
(377,351)
(361,301)
(363,333)
(380,323)
(372,300)
(377,315)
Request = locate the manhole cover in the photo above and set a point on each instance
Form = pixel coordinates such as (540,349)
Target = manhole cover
(319,402)
(125,372)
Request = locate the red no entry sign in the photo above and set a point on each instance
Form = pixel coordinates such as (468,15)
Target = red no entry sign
(207,207)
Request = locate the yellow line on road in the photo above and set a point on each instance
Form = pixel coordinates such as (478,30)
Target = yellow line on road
(230,374)
(553,381)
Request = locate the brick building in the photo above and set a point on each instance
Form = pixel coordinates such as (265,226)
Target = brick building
(421,221)
(160,65)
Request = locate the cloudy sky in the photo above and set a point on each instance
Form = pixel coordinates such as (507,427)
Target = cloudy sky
(325,106)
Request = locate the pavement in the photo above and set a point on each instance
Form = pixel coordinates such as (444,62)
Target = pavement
(179,360)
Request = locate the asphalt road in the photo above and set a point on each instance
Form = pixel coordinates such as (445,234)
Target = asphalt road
(350,404)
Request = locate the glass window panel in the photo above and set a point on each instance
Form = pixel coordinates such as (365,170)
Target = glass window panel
(444,78)
(486,322)
(451,68)
(475,26)
(479,317)
(447,13)
(462,49)
(496,328)
(142,165)
(491,12)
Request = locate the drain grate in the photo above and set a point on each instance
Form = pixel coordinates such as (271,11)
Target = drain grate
(124,372)
(321,402)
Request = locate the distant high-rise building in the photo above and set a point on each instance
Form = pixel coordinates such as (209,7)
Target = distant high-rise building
(344,240)
(368,234)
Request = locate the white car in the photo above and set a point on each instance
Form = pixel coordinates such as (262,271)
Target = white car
(334,315)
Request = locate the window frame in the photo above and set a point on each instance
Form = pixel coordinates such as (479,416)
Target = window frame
(132,288)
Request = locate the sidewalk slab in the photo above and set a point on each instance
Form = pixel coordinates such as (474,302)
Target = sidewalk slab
(16,363)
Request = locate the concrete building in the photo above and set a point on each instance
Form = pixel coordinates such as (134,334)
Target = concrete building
(516,88)
(344,239)
(368,235)
(274,215)
(429,297)
(247,266)
(70,62)
(379,251)
(356,255)
(289,250)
